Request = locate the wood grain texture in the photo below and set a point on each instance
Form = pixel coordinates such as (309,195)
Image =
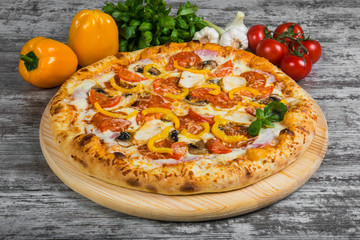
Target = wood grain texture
(199,207)
(36,204)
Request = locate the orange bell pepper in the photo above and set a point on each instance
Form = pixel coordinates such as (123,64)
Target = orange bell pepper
(46,63)
(93,36)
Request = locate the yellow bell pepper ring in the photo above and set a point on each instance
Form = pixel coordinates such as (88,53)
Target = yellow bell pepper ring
(126,90)
(93,36)
(221,134)
(46,63)
(158,137)
(168,114)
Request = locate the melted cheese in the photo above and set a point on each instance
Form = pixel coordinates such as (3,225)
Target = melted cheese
(231,82)
(150,129)
(189,79)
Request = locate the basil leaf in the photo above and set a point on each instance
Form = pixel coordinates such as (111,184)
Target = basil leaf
(109,8)
(267,123)
(134,23)
(167,22)
(119,16)
(200,25)
(181,23)
(267,111)
(174,35)
(187,9)
(255,127)
(122,7)
(274,118)
(123,45)
(259,114)
(278,108)
(127,32)
(145,26)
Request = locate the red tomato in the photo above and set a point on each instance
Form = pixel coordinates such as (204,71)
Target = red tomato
(129,76)
(179,150)
(105,123)
(314,49)
(271,49)
(201,117)
(289,29)
(255,35)
(224,69)
(104,100)
(295,67)
(215,145)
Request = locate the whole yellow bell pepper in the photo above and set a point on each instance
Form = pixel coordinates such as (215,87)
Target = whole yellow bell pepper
(93,35)
(46,63)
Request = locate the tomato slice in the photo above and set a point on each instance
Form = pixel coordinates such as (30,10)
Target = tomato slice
(129,76)
(169,85)
(221,100)
(180,149)
(224,69)
(185,60)
(105,123)
(251,111)
(266,92)
(204,118)
(215,145)
(104,100)
(140,118)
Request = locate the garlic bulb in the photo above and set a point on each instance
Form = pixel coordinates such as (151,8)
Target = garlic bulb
(207,35)
(234,37)
(238,22)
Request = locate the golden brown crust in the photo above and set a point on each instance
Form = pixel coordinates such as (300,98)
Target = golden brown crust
(89,153)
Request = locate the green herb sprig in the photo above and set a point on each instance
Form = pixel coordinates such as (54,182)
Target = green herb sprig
(147,23)
(273,112)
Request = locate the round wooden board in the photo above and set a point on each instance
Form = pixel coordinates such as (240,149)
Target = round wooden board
(194,207)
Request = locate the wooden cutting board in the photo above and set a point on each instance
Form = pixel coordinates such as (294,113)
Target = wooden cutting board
(188,208)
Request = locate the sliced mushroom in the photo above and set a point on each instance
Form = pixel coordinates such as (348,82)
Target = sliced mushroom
(174,135)
(139,68)
(124,139)
(198,148)
(272,98)
(98,89)
(209,64)
(154,71)
(216,81)
(191,101)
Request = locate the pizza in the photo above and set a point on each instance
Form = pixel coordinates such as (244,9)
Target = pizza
(181,119)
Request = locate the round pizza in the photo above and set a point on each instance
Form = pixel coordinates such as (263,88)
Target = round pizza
(182,118)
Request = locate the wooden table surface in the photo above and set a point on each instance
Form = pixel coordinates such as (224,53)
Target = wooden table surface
(34,203)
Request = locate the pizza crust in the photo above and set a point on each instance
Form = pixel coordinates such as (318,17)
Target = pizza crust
(88,153)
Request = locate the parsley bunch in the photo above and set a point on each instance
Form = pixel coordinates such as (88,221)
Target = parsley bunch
(144,24)
(273,112)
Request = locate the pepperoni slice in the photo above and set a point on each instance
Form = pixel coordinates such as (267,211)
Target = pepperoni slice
(104,100)
(169,85)
(215,145)
(143,150)
(105,123)
(221,100)
(204,118)
(186,60)
(191,125)
(180,149)
(254,80)
(129,76)
(151,101)
(224,69)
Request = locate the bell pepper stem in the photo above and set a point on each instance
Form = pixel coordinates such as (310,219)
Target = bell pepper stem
(26,58)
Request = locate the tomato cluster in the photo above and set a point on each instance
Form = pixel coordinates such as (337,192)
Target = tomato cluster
(285,47)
